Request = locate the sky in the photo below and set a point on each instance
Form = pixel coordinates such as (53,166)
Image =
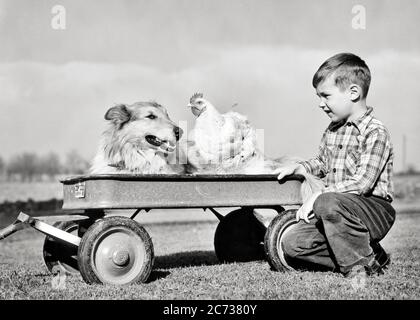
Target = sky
(56,85)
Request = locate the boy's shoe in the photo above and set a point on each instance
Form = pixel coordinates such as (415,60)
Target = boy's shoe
(381,256)
(372,268)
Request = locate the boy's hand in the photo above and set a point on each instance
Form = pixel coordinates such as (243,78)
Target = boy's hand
(306,208)
(287,170)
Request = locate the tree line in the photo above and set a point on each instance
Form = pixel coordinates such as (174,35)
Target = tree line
(29,166)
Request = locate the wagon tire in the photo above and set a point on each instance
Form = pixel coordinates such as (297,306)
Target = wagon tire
(278,227)
(116,251)
(60,256)
(239,237)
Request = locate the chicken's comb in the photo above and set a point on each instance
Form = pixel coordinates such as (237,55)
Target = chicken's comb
(195,96)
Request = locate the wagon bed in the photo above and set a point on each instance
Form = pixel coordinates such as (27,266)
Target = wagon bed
(179,191)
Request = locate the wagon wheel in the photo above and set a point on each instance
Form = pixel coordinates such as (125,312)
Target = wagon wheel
(60,256)
(115,250)
(273,247)
(239,237)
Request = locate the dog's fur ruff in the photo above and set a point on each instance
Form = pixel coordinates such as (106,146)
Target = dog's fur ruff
(140,138)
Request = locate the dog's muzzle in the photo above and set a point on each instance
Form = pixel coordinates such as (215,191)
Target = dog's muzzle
(162,144)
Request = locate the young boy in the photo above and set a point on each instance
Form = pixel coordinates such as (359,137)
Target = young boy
(353,212)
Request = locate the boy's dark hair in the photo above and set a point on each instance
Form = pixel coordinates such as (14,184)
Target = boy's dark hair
(347,68)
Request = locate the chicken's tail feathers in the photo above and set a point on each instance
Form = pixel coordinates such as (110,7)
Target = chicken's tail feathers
(310,185)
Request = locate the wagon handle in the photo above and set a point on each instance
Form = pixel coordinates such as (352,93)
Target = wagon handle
(17,225)
(23,220)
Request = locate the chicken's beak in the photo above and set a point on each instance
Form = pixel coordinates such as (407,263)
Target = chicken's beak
(195,110)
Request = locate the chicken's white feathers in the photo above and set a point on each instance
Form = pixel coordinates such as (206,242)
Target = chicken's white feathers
(227,143)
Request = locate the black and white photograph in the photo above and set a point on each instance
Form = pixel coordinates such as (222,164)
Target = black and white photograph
(238,152)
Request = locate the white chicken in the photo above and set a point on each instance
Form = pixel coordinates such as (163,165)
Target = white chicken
(227,143)
(219,142)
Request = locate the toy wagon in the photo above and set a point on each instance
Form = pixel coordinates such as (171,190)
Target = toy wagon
(117,250)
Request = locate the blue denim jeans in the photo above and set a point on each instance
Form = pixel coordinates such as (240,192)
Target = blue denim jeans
(340,234)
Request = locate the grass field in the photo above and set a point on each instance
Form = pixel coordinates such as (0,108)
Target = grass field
(186,268)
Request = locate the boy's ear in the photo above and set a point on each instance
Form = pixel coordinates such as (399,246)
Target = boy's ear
(118,114)
(355,92)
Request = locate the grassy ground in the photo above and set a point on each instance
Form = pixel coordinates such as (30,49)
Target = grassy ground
(186,268)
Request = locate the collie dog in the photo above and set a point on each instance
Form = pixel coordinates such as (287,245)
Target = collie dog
(140,138)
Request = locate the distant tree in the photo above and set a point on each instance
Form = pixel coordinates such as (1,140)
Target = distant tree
(411,169)
(50,165)
(2,167)
(75,163)
(26,165)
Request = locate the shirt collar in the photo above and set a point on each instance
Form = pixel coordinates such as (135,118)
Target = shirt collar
(360,123)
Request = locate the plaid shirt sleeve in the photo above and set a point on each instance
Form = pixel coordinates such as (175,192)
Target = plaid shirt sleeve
(317,165)
(375,153)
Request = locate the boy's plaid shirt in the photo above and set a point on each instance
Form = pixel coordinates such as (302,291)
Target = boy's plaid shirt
(355,157)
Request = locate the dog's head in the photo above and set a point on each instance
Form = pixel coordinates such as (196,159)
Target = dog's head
(144,125)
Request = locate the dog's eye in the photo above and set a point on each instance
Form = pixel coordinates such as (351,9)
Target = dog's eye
(151,116)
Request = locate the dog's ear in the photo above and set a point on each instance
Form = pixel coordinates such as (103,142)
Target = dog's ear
(119,114)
